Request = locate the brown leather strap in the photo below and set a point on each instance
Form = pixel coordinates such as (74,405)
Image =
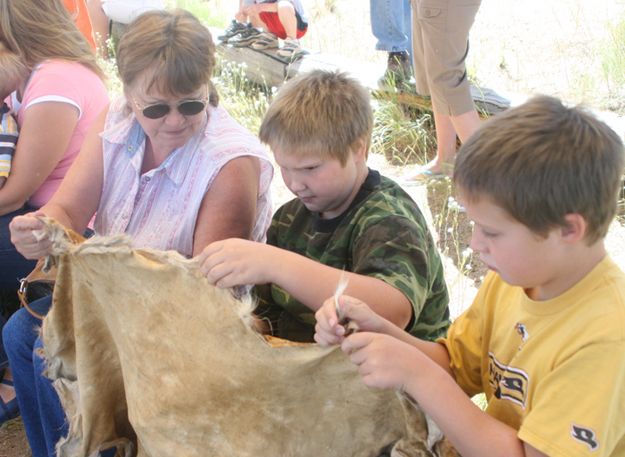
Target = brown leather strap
(39,274)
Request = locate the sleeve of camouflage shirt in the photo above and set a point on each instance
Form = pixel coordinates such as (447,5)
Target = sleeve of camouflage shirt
(400,251)
(265,308)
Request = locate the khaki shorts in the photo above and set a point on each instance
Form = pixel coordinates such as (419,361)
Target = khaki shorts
(440,41)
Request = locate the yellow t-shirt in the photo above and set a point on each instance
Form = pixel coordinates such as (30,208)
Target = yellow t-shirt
(554,369)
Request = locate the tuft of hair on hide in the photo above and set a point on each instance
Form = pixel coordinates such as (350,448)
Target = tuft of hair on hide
(350,327)
(246,306)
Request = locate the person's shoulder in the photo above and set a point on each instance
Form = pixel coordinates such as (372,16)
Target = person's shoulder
(66,68)
(224,132)
(387,202)
(605,285)
(65,78)
(287,210)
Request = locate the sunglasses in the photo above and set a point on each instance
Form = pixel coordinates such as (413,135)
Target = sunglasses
(185,107)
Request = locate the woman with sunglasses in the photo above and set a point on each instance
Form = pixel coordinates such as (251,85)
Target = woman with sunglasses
(171,169)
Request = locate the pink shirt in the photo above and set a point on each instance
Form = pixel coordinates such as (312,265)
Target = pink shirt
(159,208)
(63,82)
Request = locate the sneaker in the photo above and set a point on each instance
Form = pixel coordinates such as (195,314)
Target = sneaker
(266,40)
(398,70)
(245,37)
(232,30)
(291,50)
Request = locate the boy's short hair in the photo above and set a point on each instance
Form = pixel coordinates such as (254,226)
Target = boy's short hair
(12,70)
(325,113)
(541,161)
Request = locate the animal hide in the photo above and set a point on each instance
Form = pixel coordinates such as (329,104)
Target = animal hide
(151,359)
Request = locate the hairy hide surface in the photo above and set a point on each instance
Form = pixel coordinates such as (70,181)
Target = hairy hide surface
(150,358)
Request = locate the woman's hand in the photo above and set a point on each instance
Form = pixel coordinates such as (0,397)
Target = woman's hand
(328,330)
(23,238)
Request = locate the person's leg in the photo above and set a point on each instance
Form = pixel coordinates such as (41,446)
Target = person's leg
(100,23)
(13,266)
(443,34)
(240,16)
(9,406)
(19,336)
(51,414)
(286,14)
(390,24)
(448,129)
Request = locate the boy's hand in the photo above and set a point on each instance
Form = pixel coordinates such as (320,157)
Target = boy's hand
(328,330)
(3,180)
(383,361)
(22,236)
(236,262)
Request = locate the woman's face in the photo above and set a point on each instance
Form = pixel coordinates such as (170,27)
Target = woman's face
(168,121)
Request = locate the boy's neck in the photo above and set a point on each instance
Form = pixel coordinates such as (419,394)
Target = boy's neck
(363,172)
(571,270)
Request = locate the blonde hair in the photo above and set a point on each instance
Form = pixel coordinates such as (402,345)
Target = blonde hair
(325,113)
(37,30)
(174,46)
(12,71)
(541,161)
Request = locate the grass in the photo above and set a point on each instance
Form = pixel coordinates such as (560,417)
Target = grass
(402,134)
(245,101)
(612,52)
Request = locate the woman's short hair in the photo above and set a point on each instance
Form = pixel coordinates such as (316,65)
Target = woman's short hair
(174,47)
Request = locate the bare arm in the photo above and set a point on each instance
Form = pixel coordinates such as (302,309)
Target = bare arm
(229,207)
(235,262)
(328,331)
(73,204)
(322,280)
(78,197)
(44,137)
(386,362)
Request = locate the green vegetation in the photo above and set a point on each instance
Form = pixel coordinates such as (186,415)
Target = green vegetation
(612,52)
(208,12)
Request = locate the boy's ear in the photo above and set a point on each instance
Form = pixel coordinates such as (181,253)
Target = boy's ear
(360,149)
(575,228)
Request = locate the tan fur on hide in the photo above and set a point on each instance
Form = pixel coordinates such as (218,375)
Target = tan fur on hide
(145,353)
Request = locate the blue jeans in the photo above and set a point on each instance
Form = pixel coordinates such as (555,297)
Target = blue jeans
(391,24)
(13,266)
(40,407)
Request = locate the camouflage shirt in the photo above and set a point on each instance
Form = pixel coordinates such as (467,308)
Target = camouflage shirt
(382,234)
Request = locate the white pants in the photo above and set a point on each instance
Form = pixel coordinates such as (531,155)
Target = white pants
(125,11)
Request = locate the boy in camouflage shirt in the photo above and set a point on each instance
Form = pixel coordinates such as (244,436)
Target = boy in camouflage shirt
(346,220)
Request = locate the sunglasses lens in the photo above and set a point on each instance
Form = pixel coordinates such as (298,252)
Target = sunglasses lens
(155,111)
(191,108)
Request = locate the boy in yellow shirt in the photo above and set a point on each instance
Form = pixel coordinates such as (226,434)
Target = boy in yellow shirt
(545,336)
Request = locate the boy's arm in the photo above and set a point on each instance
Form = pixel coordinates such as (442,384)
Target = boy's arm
(386,362)
(235,262)
(328,330)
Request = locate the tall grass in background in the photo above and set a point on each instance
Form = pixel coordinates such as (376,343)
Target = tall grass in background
(612,52)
